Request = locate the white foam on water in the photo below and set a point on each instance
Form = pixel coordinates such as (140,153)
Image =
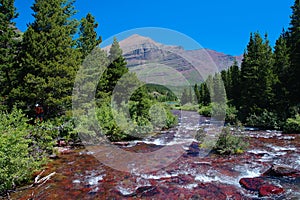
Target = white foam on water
(278,148)
(190,186)
(207,179)
(258,151)
(96,189)
(250,173)
(125,191)
(158,142)
(157,177)
(76,181)
(95,179)
(298,160)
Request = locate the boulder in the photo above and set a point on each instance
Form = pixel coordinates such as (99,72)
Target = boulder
(193,149)
(252,184)
(270,190)
(282,171)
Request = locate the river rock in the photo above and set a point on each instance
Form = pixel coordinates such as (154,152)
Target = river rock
(193,149)
(147,191)
(63,150)
(122,144)
(252,184)
(282,171)
(270,190)
(260,185)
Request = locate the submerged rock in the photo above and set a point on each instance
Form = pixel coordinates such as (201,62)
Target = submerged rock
(147,191)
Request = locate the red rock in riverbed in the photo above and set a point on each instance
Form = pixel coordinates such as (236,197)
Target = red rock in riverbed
(269,190)
(258,184)
(252,184)
(281,171)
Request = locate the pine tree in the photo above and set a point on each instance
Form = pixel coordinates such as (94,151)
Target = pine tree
(197,94)
(257,77)
(204,94)
(88,38)
(218,90)
(294,45)
(281,70)
(9,41)
(184,97)
(115,70)
(235,84)
(49,59)
(190,95)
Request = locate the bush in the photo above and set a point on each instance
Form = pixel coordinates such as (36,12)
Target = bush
(218,110)
(230,142)
(231,114)
(125,123)
(22,149)
(292,125)
(265,120)
(205,110)
(189,107)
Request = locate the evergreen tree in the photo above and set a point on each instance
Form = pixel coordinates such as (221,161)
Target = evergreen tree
(190,95)
(184,97)
(88,38)
(9,40)
(257,77)
(281,69)
(234,92)
(197,94)
(218,90)
(204,94)
(115,70)
(294,45)
(48,59)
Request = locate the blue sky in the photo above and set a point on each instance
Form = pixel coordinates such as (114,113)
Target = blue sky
(220,25)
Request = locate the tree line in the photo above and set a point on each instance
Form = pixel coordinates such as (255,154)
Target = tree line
(265,90)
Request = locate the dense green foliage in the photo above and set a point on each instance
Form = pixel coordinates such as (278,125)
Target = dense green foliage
(22,148)
(292,125)
(134,112)
(9,43)
(88,38)
(48,59)
(229,141)
(160,93)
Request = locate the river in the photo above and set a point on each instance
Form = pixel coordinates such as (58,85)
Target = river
(193,173)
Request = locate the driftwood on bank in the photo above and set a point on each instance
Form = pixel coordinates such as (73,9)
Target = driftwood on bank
(38,181)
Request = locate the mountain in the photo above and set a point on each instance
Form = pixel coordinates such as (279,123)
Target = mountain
(156,62)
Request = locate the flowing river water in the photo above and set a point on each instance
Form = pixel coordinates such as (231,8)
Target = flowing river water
(196,174)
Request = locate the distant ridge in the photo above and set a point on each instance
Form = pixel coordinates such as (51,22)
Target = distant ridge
(140,50)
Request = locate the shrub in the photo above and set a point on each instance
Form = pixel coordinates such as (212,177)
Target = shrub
(266,120)
(205,110)
(22,149)
(231,114)
(292,125)
(189,107)
(219,110)
(230,142)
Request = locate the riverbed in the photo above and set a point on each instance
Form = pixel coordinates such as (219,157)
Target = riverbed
(187,173)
